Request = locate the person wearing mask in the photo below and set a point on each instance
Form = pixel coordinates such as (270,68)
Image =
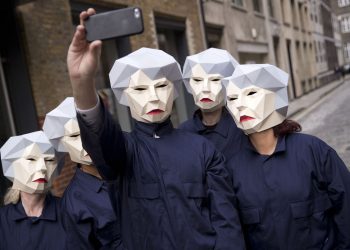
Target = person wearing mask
(90,217)
(203,74)
(293,189)
(31,218)
(175,191)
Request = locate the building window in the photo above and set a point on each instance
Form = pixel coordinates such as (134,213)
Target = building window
(270,6)
(237,3)
(345,24)
(347,51)
(214,36)
(343,3)
(256,6)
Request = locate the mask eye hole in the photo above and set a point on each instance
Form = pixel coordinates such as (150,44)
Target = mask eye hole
(252,92)
(49,160)
(140,88)
(161,85)
(233,98)
(73,136)
(196,79)
(215,79)
(30,159)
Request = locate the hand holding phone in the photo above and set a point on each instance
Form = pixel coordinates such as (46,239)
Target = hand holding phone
(113,24)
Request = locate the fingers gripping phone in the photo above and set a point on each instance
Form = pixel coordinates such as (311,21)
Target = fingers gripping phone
(113,24)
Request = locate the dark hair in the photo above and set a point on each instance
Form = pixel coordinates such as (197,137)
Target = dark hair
(286,127)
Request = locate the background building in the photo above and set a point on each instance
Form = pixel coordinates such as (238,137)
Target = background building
(341,9)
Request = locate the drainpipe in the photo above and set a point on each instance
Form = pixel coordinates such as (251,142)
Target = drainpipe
(202,20)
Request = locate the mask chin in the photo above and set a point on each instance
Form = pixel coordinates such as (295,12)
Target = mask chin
(271,121)
(214,108)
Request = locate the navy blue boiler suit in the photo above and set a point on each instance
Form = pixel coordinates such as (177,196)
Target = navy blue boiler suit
(89,217)
(175,191)
(297,198)
(20,232)
(224,135)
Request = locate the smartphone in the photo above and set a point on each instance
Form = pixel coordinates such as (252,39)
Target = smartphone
(113,24)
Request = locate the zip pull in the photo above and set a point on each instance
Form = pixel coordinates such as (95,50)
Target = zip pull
(156,136)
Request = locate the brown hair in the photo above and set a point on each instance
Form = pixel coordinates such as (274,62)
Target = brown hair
(286,127)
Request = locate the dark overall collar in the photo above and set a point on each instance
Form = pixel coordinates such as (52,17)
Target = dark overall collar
(154,129)
(222,127)
(49,212)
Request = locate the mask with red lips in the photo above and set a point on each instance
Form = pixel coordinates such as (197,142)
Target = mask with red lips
(257,96)
(203,73)
(147,81)
(29,161)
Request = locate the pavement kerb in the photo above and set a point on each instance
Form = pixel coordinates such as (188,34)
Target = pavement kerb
(317,98)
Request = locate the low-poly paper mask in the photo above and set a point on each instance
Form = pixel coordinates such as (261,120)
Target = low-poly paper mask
(147,81)
(61,127)
(202,75)
(257,96)
(29,162)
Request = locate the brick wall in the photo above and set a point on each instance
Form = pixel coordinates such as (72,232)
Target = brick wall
(47,32)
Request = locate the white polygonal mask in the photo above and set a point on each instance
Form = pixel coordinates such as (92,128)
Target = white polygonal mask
(29,162)
(257,96)
(203,75)
(206,89)
(62,128)
(147,81)
(150,101)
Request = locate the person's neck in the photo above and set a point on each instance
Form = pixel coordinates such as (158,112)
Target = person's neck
(264,142)
(211,118)
(33,204)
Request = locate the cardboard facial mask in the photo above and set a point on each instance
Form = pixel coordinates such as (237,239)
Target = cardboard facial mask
(257,96)
(147,81)
(203,73)
(150,100)
(29,162)
(61,127)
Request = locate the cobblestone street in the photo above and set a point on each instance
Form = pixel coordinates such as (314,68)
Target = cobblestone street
(330,120)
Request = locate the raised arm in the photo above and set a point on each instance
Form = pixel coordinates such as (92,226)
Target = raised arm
(82,61)
(101,137)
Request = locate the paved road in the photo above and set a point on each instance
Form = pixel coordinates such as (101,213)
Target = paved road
(330,121)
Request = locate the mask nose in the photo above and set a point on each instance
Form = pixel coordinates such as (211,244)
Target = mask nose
(206,85)
(240,103)
(41,165)
(153,94)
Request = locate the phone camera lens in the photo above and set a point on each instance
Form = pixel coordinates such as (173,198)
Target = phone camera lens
(137,13)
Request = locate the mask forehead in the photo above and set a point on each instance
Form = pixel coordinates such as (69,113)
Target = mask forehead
(33,150)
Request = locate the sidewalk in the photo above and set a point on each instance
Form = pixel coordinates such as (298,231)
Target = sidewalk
(300,107)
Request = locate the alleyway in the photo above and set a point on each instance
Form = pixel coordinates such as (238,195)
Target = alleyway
(330,121)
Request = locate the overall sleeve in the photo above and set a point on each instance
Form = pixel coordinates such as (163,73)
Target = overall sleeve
(223,206)
(338,187)
(106,147)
